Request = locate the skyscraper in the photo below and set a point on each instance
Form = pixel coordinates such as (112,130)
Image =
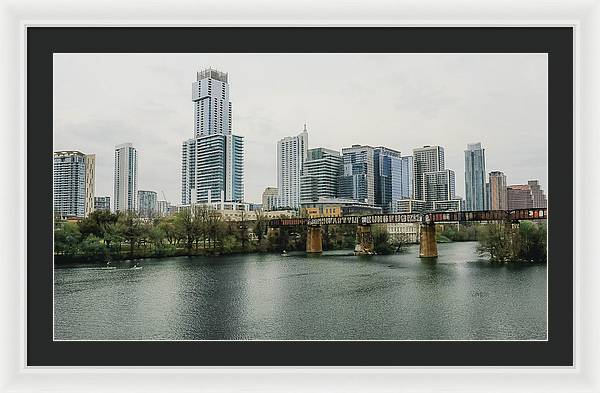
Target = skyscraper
(125,178)
(498,194)
(291,153)
(426,159)
(407,167)
(320,175)
(388,177)
(358,174)
(475,177)
(212,163)
(73,183)
(147,204)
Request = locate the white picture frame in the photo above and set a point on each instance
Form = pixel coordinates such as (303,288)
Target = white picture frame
(584,16)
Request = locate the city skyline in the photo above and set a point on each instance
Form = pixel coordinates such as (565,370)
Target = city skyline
(519,152)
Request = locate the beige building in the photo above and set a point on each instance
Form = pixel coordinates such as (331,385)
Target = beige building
(498,192)
(269,199)
(403,232)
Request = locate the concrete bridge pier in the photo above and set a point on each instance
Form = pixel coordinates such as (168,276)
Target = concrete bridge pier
(428,245)
(314,239)
(364,240)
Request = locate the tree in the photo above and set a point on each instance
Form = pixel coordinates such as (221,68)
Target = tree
(496,240)
(381,241)
(66,238)
(132,229)
(184,222)
(156,236)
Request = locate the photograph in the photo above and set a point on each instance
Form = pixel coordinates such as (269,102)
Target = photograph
(300,196)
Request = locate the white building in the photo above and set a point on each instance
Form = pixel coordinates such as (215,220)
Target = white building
(291,153)
(125,179)
(212,162)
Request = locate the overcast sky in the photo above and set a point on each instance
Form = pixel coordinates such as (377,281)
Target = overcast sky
(400,101)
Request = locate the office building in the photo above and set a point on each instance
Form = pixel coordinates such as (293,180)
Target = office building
(73,183)
(212,163)
(519,196)
(125,177)
(439,186)
(320,175)
(407,168)
(426,159)
(498,196)
(475,192)
(526,196)
(147,204)
(537,194)
(102,203)
(291,153)
(388,177)
(269,199)
(358,174)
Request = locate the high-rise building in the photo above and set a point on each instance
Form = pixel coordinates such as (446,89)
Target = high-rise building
(407,167)
(102,203)
(426,159)
(212,163)
(320,175)
(147,204)
(498,195)
(358,175)
(291,154)
(439,186)
(475,177)
(125,178)
(388,177)
(269,199)
(212,108)
(73,183)
(539,198)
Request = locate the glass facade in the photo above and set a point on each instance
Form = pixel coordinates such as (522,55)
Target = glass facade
(475,189)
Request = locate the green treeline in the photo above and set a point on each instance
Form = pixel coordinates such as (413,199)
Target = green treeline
(202,231)
(197,231)
(520,243)
(524,242)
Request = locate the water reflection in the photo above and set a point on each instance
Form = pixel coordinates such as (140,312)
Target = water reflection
(335,296)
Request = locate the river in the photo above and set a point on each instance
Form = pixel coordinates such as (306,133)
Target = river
(336,296)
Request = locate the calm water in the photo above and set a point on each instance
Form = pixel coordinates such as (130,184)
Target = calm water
(335,296)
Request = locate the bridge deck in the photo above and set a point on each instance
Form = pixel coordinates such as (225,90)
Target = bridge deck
(463,216)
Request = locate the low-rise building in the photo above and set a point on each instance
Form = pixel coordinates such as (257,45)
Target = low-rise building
(409,206)
(102,203)
(402,232)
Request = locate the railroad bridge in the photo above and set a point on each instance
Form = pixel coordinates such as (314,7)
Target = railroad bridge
(427,221)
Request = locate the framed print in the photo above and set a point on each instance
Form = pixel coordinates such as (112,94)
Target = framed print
(295,199)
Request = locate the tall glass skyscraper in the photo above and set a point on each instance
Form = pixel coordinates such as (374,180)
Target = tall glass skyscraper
(147,207)
(406,165)
(212,163)
(388,177)
(126,176)
(475,189)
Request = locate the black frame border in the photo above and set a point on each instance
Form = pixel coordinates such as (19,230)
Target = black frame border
(42,42)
